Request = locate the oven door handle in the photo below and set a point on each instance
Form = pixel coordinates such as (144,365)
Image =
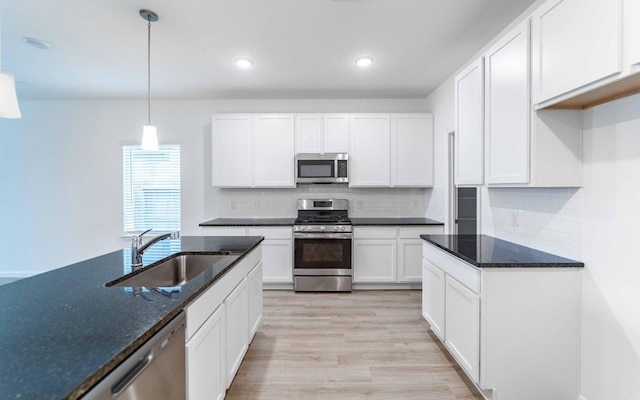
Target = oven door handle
(337,235)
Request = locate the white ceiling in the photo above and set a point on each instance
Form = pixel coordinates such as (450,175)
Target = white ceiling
(301,48)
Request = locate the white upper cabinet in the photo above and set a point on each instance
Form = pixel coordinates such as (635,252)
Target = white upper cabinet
(231,150)
(631,34)
(252,150)
(507,108)
(335,133)
(274,151)
(575,43)
(309,133)
(317,133)
(412,150)
(370,151)
(469,121)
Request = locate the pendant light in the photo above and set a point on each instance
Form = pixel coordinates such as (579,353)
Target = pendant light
(149,132)
(8,100)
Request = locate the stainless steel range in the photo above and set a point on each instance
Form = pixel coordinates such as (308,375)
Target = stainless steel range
(322,246)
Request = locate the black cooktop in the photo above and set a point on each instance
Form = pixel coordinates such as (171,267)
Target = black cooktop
(322,219)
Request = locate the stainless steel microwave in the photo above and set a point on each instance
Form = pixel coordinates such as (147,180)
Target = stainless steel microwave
(322,168)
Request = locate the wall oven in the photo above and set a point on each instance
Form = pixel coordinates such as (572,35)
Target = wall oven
(322,168)
(322,246)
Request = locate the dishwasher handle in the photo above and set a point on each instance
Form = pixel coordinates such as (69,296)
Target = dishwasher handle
(132,374)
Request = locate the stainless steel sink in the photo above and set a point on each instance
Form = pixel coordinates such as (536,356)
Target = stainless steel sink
(173,272)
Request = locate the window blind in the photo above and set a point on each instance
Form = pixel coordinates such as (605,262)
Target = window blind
(151,189)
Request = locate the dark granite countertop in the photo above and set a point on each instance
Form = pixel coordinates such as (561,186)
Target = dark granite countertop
(63,330)
(364,221)
(488,252)
(249,222)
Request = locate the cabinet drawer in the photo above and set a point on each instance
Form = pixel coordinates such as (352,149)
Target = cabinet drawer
(272,233)
(415,232)
(374,233)
(460,270)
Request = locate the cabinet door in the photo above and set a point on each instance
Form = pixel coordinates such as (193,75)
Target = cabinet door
(433,297)
(412,150)
(469,120)
(374,260)
(308,133)
(205,360)
(277,259)
(231,150)
(370,151)
(507,108)
(632,34)
(255,299)
(409,260)
(236,329)
(463,326)
(274,151)
(336,133)
(568,51)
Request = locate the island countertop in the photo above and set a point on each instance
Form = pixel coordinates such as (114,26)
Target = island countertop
(63,330)
(485,251)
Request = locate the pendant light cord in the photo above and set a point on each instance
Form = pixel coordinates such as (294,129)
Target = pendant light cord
(149,69)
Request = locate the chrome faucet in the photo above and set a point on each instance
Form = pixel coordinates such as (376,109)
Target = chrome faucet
(137,248)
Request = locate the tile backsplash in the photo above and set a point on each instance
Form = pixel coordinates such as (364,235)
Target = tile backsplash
(548,219)
(279,203)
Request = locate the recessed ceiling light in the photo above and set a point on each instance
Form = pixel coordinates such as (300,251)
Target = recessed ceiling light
(37,43)
(364,61)
(243,63)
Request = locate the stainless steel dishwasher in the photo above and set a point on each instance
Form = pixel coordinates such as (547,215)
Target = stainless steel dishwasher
(157,370)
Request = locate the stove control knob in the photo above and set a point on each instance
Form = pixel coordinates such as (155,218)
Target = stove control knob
(322,228)
(342,228)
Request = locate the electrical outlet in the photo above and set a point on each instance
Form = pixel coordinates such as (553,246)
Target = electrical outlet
(256,204)
(514,218)
(232,205)
(360,204)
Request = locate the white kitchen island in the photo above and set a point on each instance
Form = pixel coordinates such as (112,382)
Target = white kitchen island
(509,315)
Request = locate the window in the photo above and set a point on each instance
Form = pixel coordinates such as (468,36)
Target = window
(151,188)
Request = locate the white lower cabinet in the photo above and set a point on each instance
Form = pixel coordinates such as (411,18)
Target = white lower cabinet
(462,326)
(277,253)
(236,328)
(205,359)
(277,250)
(433,297)
(374,260)
(389,254)
(220,325)
(254,281)
(514,331)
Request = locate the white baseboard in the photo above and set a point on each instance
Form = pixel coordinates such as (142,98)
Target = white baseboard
(581,397)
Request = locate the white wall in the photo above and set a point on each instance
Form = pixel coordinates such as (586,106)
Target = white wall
(61,175)
(278,203)
(610,242)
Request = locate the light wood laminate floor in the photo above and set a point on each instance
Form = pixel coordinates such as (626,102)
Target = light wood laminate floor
(359,345)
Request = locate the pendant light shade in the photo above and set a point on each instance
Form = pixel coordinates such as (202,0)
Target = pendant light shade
(149,132)
(8,100)
(150,138)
